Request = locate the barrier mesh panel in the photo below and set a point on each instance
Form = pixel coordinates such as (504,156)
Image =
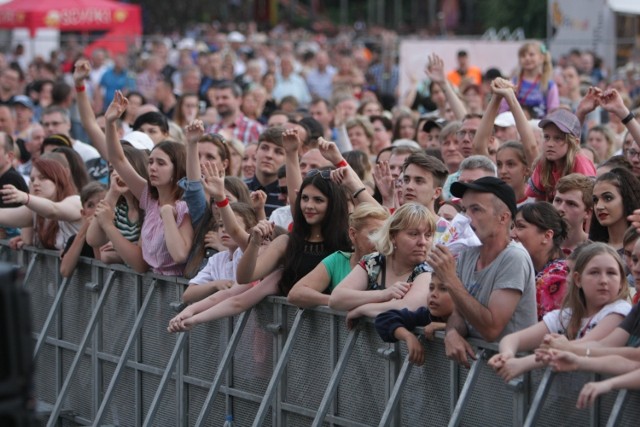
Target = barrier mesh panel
(157,343)
(206,346)
(253,359)
(166,414)
(432,379)
(76,306)
(361,394)
(119,313)
(496,405)
(43,287)
(196,396)
(121,410)
(309,369)
(45,375)
(79,394)
(244,412)
(630,412)
(560,405)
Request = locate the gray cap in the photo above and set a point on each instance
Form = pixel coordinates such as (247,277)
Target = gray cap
(23,100)
(566,121)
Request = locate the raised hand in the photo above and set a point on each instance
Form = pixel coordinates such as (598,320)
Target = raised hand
(291,140)
(435,69)
(611,101)
(213,181)
(502,87)
(384,181)
(81,71)
(261,232)
(104,214)
(194,131)
(329,151)
(590,101)
(117,185)
(117,107)
(258,199)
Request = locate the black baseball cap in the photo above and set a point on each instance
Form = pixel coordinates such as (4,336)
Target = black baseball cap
(489,184)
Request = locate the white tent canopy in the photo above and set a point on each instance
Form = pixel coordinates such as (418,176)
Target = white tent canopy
(631,7)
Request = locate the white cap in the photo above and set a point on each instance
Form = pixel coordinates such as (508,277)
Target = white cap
(505,120)
(186,44)
(139,140)
(406,143)
(236,37)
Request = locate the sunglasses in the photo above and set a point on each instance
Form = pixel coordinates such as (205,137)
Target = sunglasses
(324,173)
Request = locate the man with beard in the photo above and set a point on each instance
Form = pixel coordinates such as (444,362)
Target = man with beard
(227,100)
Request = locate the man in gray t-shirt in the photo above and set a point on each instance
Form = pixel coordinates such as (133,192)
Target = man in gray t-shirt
(493,286)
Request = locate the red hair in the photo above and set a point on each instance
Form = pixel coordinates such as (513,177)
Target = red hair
(53,171)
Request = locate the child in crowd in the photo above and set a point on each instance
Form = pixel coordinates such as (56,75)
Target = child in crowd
(535,89)
(594,306)
(560,154)
(77,246)
(116,231)
(395,325)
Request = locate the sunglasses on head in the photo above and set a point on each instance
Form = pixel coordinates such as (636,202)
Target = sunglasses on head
(324,173)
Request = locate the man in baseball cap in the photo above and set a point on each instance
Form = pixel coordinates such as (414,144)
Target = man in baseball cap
(492,286)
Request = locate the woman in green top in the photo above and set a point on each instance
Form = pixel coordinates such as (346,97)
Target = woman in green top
(314,288)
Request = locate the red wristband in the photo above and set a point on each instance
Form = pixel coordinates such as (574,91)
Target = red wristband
(343,163)
(80,88)
(223,203)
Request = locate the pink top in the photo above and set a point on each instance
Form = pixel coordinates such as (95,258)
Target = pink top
(582,165)
(152,241)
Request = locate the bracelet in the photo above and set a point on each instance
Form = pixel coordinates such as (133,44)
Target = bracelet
(629,117)
(357,193)
(80,88)
(223,203)
(28,199)
(588,353)
(342,163)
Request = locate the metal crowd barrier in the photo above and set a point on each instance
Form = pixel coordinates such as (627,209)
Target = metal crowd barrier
(103,357)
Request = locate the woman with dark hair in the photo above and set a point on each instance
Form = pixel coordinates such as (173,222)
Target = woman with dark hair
(52,207)
(153,124)
(616,194)
(166,217)
(320,224)
(541,230)
(404,127)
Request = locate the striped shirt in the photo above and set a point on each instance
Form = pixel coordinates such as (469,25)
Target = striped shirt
(243,129)
(130,230)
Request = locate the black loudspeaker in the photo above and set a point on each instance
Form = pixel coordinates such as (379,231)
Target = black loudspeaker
(16,350)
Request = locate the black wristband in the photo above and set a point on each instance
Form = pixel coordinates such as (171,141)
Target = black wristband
(357,193)
(629,117)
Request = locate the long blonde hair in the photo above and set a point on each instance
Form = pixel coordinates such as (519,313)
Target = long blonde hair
(547,67)
(546,167)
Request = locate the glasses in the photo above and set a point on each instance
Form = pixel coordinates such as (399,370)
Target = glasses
(633,153)
(284,190)
(324,173)
(462,133)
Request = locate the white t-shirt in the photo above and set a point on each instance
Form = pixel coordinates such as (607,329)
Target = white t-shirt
(220,266)
(557,323)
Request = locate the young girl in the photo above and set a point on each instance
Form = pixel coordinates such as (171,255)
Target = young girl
(560,154)
(166,216)
(248,164)
(395,325)
(116,231)
(319,229)
(602,141)
(514,169)
(616,195)
(594,306)
(541,230)
(220,271)
(535,89)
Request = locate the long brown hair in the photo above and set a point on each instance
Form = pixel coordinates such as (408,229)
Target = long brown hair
(54,171)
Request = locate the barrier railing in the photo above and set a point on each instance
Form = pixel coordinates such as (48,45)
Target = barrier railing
(103,357)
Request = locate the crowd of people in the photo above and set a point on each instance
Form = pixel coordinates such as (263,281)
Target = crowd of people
(496,206)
